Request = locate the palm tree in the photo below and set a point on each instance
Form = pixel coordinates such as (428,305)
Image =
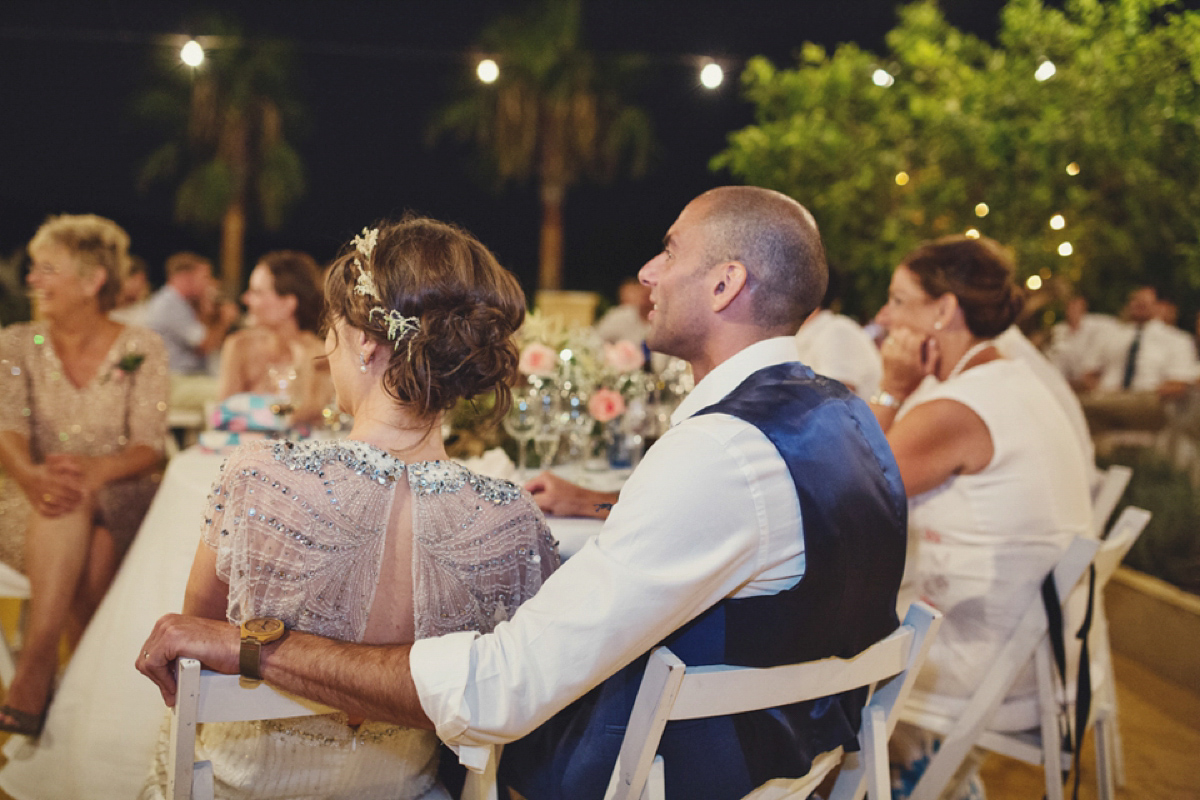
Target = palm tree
(554,113)
(226,151)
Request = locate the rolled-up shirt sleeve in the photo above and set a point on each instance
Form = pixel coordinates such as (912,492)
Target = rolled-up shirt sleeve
(693,525)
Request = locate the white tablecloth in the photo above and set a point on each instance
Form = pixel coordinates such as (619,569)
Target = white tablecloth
(103,724)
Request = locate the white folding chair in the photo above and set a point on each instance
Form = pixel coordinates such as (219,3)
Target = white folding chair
(1030,643)
(13,586)
(1120,538)
(1107,493)
(670,690)
(206,696)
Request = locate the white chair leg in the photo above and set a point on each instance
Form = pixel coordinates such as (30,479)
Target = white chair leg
(656,784)
(875,755)
(1102,730)
(1051,736)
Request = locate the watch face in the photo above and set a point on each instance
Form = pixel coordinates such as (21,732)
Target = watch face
(263,625)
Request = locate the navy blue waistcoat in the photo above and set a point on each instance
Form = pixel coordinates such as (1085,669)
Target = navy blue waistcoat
(853,513)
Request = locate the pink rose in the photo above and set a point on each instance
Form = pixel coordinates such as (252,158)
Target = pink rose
(605,405)
(624,356)
(538,359)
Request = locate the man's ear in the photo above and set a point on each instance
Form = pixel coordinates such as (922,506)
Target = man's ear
(728,280)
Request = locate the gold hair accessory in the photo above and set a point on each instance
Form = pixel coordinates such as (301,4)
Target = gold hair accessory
(398,325)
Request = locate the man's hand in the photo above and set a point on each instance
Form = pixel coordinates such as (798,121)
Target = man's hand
(214,643)
(561,498)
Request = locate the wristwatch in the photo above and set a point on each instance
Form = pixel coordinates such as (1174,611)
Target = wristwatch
(255,633)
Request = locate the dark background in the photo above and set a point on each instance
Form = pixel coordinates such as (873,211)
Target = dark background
(370,73)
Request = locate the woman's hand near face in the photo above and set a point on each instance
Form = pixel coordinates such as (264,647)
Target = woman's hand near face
(908,357)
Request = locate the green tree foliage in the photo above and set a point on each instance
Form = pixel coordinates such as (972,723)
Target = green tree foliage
(965,122)
(225,147)
(555,114)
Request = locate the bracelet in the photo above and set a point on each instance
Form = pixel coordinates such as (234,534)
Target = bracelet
(886,399)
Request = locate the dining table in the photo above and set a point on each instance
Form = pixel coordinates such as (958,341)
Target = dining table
(105,718)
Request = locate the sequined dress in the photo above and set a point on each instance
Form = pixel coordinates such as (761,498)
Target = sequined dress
(124,404)
(299,531)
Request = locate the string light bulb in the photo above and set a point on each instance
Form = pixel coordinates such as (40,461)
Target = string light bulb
(1065,249)
(972,233)
(901,178)
(711,75)
(1033,282)
(981,209)
(192,53)
(1073,169)
(1045,70)
(487,70)
(1058,222)
(881,77)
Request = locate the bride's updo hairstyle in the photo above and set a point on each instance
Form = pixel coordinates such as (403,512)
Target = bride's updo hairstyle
(444,315)
(978,273)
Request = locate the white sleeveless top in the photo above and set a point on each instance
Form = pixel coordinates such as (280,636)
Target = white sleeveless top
(986,541)
(299,531)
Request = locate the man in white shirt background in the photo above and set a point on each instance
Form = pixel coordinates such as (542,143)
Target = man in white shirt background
(741,506)
(1147,355)
(836,346)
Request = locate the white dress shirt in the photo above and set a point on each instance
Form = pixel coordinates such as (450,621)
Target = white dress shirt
(710,513)
(837,347)
(1079,351)
(1165,353)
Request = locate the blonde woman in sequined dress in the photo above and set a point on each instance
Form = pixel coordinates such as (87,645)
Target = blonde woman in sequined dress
(377,538)
(82,422)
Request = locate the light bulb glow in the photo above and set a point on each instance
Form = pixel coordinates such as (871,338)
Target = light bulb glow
(1065,249)
(901,178)
(1058,222)
(1033,282)
(487,70)
(972,233)
(1073,169)
(566,354)
(192,53)
(711,75)
(1045,70)
(981,209)
(881,77)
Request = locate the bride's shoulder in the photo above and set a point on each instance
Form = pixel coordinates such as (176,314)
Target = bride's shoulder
(442,477)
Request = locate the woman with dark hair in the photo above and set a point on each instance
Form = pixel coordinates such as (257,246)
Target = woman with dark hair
(376,538)
(279,353)
(83,417)
(996,484)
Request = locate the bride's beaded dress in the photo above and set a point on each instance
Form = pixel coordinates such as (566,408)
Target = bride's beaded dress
(299,531)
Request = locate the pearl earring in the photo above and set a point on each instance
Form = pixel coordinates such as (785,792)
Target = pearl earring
(362,363)
(937,326)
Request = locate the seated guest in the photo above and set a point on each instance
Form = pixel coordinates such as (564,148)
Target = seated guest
(135,294)
(1146,355)
(837,347)
(627,321)
(996,481)
(377,538)
(82,423)
(184,313)
(738,538)
(1077,344)
(280,352)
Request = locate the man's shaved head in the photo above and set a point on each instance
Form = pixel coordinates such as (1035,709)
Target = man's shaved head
(776,239)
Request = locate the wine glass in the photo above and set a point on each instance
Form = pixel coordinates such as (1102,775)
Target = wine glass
(548,424)
(578,424)
(282,380)
(521,423)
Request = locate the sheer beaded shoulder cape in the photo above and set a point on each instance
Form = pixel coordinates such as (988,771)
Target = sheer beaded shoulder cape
(299,530)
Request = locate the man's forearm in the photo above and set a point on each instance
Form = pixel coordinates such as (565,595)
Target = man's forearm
(370,681)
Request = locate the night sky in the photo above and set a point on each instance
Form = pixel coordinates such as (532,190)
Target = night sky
(369,74)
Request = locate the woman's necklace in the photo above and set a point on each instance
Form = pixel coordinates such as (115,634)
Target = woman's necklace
(967,356)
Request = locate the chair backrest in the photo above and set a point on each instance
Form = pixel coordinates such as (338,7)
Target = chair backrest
(672,691)
(1120,538)
(206,696)
(1108,493)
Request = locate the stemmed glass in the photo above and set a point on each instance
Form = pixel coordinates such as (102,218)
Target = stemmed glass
(578,424)
(548,424)
(521,424)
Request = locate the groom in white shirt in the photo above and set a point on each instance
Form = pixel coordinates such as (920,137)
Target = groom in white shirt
(705,549)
